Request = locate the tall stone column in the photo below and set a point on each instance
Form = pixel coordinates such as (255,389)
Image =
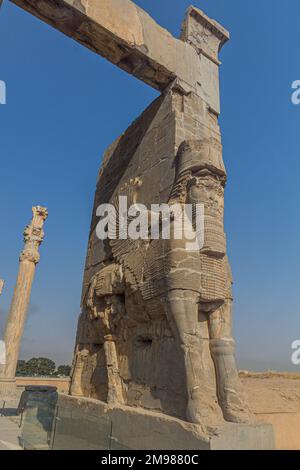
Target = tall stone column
(33,237)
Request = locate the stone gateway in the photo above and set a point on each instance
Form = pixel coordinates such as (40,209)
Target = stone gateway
(155,331)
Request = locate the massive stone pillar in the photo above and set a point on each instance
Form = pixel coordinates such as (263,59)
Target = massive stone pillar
(1,285)
(169,308)
(33,237)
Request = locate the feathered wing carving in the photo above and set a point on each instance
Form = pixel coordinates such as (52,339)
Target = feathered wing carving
(156,268)
(144,260)
(128,252)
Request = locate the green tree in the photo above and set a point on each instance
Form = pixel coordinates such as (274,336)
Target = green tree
(22,369)
(63,370)
(40,366)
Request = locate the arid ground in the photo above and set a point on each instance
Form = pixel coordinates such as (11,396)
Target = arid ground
(275,398)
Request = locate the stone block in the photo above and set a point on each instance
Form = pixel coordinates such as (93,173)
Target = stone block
(138,429)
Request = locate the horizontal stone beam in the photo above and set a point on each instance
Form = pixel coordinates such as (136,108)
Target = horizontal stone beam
(128,37)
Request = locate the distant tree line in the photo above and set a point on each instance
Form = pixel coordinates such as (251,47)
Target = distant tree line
(41,367)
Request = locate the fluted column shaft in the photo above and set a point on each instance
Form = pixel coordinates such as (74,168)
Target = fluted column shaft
(33,237)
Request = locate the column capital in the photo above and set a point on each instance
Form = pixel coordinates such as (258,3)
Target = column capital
(34,231)
(34,235)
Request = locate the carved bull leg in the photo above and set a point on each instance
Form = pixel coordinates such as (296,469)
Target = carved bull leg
(115,395)
(182,311)
(222,346)
(114,309)
(79,363)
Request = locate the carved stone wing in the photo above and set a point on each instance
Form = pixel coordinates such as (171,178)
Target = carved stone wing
(128,252)
(155,269)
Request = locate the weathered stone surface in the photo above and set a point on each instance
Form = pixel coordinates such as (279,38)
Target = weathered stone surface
(258,436)
(135,428)
(205,34)
(165,311)
(127,36)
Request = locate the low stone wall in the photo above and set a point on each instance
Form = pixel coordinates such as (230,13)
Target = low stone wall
(62,383)
(85,423)
(274,398)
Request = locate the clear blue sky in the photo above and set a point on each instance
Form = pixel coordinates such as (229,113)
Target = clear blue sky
(65,105)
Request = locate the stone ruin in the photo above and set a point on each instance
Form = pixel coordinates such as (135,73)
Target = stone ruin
(155,329)
(155,332)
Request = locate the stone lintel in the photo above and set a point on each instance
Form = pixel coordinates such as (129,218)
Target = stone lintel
(128,37)
(117,30)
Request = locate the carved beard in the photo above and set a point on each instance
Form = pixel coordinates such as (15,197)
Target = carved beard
(209,191)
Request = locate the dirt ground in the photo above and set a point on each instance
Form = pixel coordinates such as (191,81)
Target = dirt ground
(275,398)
